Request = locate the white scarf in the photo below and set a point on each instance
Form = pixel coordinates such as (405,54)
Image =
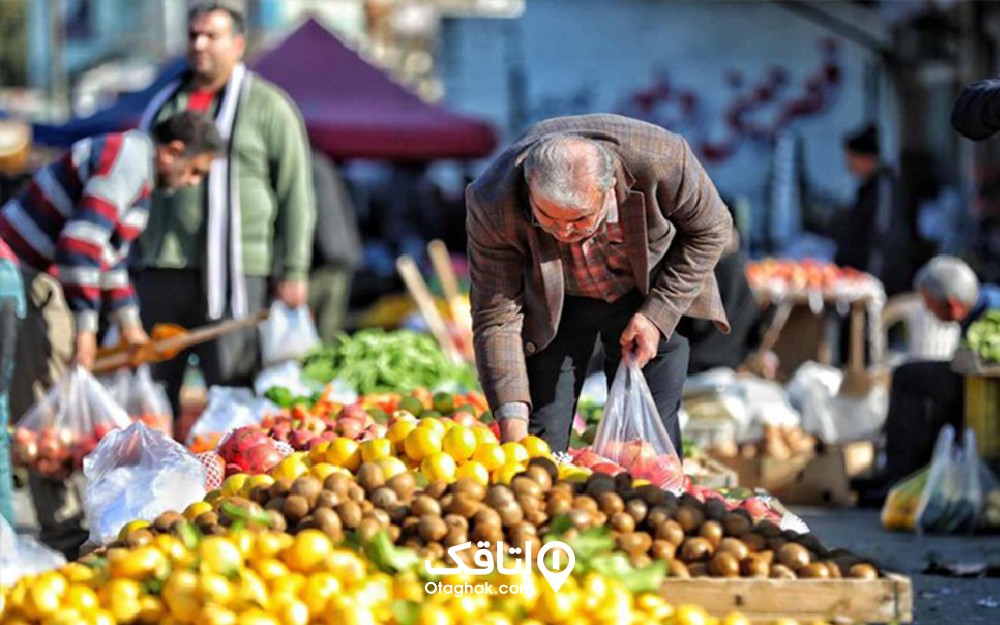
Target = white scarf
(223,193)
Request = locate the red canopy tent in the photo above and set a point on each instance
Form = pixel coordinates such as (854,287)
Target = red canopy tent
(352,109)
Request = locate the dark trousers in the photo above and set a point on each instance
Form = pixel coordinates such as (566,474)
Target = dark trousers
(177,296)
(924,397)
(557,373)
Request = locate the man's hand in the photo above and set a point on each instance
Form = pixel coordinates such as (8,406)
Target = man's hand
(293,293)
(513,430)
(86,349)
(640,339)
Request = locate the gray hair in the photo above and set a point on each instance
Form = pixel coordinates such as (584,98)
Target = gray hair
(554,168)
(945,278)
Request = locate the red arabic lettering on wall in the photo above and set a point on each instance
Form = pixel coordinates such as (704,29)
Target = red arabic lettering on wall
(757,112)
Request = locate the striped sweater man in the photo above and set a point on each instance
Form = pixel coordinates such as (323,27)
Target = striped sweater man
(77,219)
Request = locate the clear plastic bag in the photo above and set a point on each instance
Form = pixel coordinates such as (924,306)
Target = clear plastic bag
(952,499)
(66,425)
(228,408)
(144,399)
(138,473)
(287,334)
(632,434)
(22,555)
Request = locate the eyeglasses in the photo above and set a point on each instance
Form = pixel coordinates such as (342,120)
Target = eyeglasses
(578,229)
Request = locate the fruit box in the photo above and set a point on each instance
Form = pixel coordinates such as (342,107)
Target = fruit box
(820,478)
(884,600)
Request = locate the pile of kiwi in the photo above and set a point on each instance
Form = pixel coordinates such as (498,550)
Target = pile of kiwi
(696,539)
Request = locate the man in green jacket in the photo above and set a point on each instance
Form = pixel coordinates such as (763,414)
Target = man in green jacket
(215,251)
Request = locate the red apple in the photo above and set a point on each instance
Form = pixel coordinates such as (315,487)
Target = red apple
(350,428)
(464,417)
(262,458)
(328,435)
(300,438)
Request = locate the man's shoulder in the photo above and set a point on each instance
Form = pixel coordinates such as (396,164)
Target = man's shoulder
(263,92)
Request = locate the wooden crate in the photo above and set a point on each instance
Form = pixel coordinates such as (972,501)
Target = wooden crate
(822,478)
(885,600)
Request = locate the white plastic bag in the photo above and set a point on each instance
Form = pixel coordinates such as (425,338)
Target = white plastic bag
(228,408)
(287,375)
(144,399)
(953,496)
(835,418)
(138,473)
(22,555)
(632,434)
(287,334)
(66,424)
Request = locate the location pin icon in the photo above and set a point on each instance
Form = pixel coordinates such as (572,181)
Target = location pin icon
(556,578)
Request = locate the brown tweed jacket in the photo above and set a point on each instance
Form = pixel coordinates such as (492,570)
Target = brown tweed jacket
(674,225)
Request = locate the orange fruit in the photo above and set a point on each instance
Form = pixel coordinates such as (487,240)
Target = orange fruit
(459,443)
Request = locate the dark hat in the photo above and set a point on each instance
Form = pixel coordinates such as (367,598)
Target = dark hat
(863,141)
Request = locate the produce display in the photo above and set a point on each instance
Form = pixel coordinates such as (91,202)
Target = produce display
(779,442)
(778,278)
(374,361)
(984,337)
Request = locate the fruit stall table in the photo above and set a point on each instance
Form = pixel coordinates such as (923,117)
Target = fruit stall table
(982,401)
(800,294)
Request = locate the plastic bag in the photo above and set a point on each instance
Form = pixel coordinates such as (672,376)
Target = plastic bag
(144,399)
(66,425)
(138,473)
(227,409)
(899,512)
(952,498)
(22,555)
(287,334)
(287,375)
(832,417)
(632,434)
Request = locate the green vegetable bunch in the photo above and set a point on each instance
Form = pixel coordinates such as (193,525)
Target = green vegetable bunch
(376,361)
(984,336)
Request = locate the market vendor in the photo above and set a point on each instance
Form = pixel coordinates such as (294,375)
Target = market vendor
(926,395)
(595,225)
(71,229)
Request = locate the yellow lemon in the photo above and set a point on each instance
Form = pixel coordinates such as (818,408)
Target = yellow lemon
(423,442)
(196,509)
(515,453)
(323,470)
(536,447)
(376,449)
(490,455)
(459,443)
(344,453)
(289,469)
(234,485)
(474,470)
(439,466)
(220,555)
(391,467)
(398,432)
(484,435)
(308,551)
(433,423)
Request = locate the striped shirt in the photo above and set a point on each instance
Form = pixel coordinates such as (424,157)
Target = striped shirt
(77,218)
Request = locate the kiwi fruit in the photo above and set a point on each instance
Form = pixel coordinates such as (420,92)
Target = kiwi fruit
(281,487)
(736,524)
(862,570)
(690,519)
(139,538)
(816,570)
(307,486)
(524,485)
(547,465)
(622,522)
(456,536)
(599,483)
(539,476)
(834,569)
(510,514)
(582,520)
(734,546)
(404,485)
(754,542)
(536,517)
(338,483)
(383,517)
(663,550)
(780,571)
(715,510)
(455,521)
(165,522)
(585,502)
(327,499)
(676,568)
(638,509)
(275,503)
(558,506)
(656,516)
(278,521)
(350,514)
(356,493)
(498,494)
(296,507)
(712,531)
(368,528)
(696,550)
(767,529)
(654,495)
(463,505)
(488,521)
(422,504)
(793,555)
(724,564)
(698,569)
(384,498)
(436,489)
(670,531)
(635,543)
(329,523)
(754,565)
(470,488)
(432,528)
(610,503)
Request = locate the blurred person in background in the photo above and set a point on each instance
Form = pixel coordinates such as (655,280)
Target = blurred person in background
(337,253)
(71,230)
(211,251)
(874,233)
(587,226)
(924,396)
